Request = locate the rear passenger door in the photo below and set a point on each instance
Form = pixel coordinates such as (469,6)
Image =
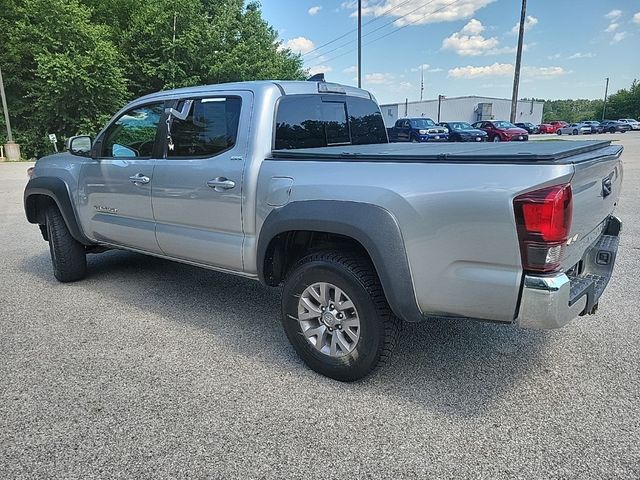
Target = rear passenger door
(197,186)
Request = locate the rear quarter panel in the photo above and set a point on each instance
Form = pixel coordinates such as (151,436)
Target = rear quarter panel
(456,220)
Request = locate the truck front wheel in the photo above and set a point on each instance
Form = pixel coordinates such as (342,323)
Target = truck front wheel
(336,316)
(68,256)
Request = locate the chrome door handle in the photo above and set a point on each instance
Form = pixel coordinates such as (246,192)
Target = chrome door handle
(139,178)
(221,183)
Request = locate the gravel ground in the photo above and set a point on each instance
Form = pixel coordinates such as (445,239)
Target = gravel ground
(152,369)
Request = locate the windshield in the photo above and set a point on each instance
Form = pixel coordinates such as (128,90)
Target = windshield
(422,123)
(504,124)
(461,126)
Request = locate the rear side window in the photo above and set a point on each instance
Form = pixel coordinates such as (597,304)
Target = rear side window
(211,128)
(365,120)
(307,121)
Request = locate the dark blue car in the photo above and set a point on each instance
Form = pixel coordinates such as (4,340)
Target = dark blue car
(417,130)
(464,132)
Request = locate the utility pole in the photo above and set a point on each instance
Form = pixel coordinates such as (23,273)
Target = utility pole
(359,43)
(440,98)
(421,81)
(173,45)
(11,148)
(516,73)
(604,107)
(5,109)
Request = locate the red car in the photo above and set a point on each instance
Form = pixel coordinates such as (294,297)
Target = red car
(552,127)
(501,131)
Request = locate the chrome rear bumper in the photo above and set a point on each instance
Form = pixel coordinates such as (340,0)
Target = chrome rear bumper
(552,301)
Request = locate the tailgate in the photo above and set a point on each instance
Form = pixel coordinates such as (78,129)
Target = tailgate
(596,188)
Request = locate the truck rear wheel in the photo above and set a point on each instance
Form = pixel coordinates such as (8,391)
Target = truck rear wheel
(68,256)
(336,316)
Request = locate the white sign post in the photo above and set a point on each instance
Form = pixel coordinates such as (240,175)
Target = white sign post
(53,139)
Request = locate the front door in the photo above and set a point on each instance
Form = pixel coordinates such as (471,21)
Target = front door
(115,187)
(197,187)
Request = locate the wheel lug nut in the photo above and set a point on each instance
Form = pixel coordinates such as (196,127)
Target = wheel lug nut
(331,306)
(330,329)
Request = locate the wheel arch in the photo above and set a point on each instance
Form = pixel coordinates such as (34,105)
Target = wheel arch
(41,192)
(368,227)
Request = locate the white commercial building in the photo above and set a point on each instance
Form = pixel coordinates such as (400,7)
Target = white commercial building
(464,109)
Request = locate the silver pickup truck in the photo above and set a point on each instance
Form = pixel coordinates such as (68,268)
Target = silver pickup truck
(295,183)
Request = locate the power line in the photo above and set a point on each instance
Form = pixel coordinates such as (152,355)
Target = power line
(355,29)
(374,30)
(387,34)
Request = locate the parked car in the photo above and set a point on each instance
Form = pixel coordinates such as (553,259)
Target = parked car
(501,131)
(546,128)
(464,132)
(529,127)
(574,129)
(552,127)
(613,126)
(295,184)
(417,130)
(634,124)
(595,125)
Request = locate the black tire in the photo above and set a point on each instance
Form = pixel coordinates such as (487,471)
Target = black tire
(558,132)
(68,256)
(356,277)
(612,130)
(496,139)
(414,139)
(575,132)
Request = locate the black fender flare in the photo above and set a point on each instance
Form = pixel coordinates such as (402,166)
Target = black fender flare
(374,227)
(56,189)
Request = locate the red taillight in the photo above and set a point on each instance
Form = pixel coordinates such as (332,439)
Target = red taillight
(543,218)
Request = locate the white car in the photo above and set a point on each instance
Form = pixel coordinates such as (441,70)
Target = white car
(634,124)
(574,129)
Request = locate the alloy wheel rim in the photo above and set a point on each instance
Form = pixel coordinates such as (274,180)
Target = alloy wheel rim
(328,319)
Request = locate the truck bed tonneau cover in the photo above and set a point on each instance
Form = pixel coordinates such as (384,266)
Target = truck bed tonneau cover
(512,152)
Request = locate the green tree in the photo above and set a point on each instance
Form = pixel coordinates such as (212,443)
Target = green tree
(70,64)
(215,41)
(63,72)
(625,103)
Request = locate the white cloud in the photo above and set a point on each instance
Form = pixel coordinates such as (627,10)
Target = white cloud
(378,78)
(314,10)
(407,13)
(468,41)
(405,85)
(554,56)
(473,27)
(505,69)
(495,70)
(300,45)
(636,18)
(424,67)
(581,55)
(351,69)
(543,72)
(618,37)
(320,69)
(529,23)
(612,27)
(613,14)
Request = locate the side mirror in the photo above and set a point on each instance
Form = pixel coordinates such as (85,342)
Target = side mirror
(80,145)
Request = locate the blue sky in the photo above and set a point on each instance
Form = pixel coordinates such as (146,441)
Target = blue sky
(466,47)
